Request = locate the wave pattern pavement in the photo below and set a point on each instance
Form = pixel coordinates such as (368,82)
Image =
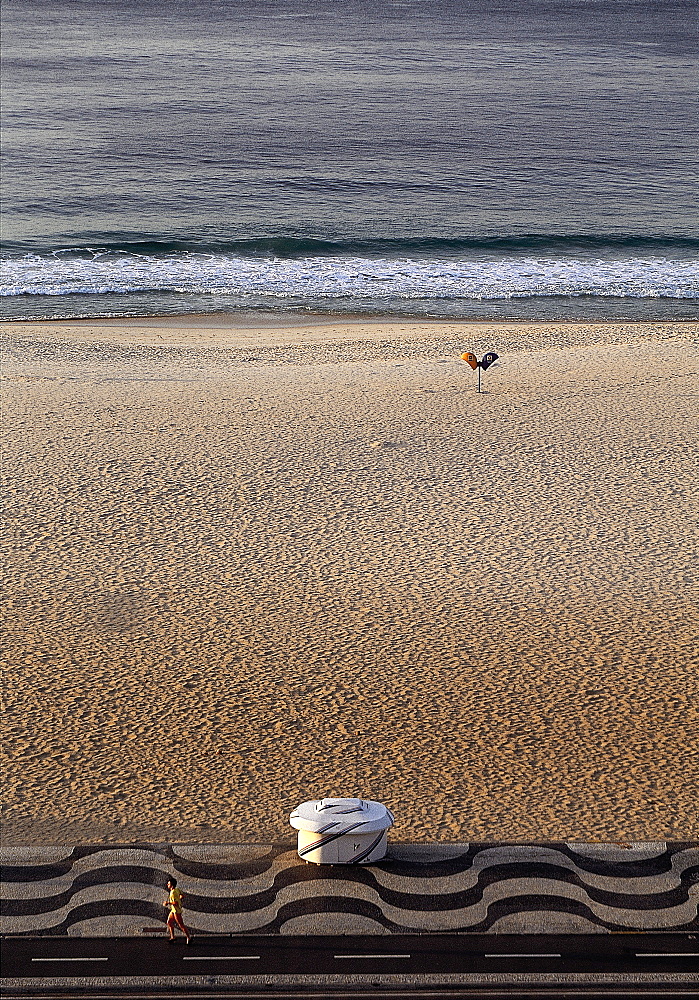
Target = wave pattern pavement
(477,887)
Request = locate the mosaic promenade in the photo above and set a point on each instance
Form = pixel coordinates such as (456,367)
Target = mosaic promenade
(234,889)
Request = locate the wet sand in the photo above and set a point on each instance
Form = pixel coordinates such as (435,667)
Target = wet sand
(248,567)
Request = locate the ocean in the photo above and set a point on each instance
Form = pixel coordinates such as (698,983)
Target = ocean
(530,159)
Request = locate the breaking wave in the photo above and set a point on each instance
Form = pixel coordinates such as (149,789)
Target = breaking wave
(305,269)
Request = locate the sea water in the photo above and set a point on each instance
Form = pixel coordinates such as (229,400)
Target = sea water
(525,159)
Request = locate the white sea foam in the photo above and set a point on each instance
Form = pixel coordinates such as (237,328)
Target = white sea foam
(331,277)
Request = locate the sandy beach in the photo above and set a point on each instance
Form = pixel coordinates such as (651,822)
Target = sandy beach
(253,565)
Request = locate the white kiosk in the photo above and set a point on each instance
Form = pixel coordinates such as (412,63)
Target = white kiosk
(341,831)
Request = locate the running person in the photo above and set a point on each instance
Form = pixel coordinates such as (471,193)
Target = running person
(174,901)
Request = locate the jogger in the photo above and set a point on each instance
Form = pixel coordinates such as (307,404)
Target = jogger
(174,901)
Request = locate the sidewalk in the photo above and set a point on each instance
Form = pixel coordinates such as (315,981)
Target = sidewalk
(231,889)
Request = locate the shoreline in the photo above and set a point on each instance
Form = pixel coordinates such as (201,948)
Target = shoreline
(244,573)
(252,319)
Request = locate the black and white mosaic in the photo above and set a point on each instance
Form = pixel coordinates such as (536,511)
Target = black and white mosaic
(229,889)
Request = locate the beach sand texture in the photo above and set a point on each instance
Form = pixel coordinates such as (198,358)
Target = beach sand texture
(248,568)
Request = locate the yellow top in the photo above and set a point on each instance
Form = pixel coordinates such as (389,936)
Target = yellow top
(175,900)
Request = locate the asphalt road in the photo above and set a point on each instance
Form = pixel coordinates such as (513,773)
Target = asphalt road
(351,956)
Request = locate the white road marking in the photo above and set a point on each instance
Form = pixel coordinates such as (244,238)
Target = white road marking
(219,958)
(371,956)
(667,954)
(507,954)
(70,960)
